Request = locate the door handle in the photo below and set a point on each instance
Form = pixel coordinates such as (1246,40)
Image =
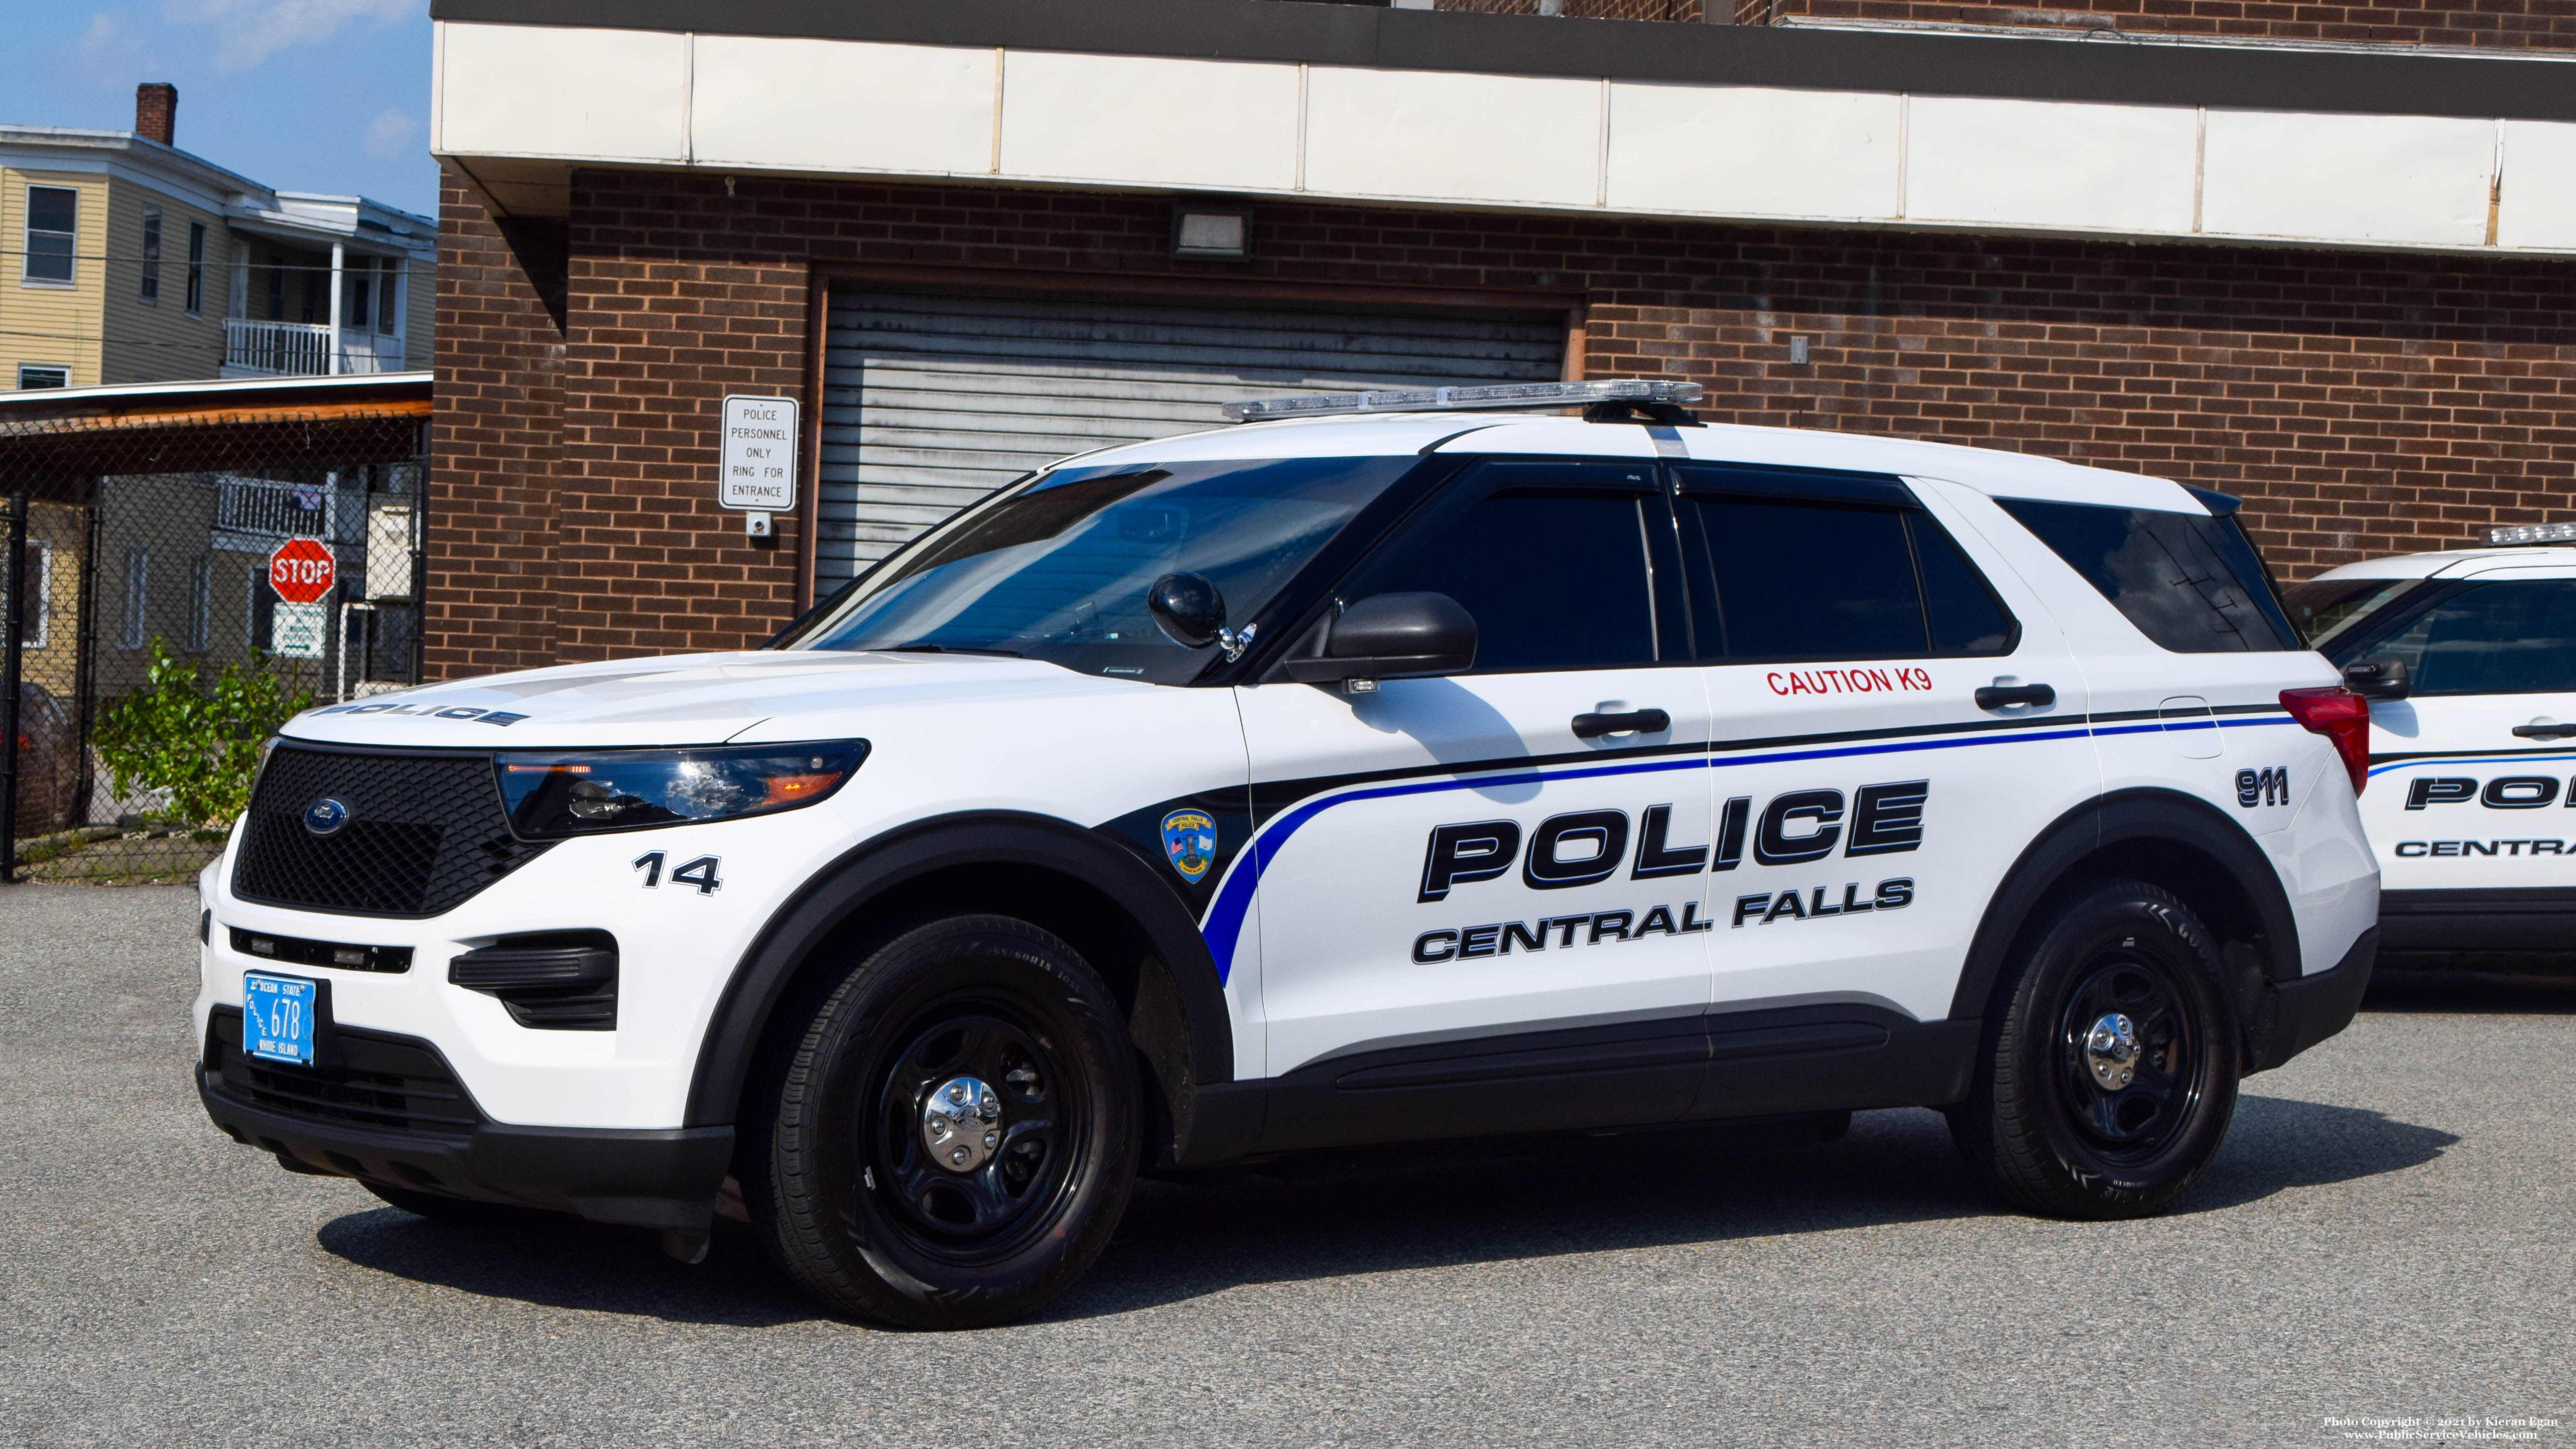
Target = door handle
(2543,731)
(1997,696)
(1644,721)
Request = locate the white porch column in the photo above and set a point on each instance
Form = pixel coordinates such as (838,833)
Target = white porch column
(337,258)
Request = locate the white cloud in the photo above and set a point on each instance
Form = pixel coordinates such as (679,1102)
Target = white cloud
(389,136)
(109,53)
(248,32)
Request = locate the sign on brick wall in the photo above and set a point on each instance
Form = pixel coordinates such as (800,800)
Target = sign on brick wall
(759,471)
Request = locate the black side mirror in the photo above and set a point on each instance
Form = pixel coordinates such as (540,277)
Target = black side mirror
(1188,608)
(2383,677)
(1392,636)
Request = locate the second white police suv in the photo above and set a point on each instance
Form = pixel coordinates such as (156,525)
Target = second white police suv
(2469,657)
(1394,767)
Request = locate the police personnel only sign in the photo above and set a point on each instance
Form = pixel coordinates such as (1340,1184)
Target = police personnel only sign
(759,470)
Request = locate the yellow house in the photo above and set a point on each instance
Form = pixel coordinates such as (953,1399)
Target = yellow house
(124,259)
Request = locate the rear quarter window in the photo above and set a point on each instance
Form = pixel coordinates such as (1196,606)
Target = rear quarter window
(2190,582)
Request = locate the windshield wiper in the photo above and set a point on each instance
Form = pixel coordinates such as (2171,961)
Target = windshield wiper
(923,646)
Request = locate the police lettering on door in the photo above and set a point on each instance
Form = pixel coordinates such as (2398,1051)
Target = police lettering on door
(1589,847)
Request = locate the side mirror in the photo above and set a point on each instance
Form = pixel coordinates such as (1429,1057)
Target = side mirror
(2383,677)
(1392,636)
(1188,608)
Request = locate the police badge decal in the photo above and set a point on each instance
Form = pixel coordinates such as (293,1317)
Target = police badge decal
(1189,842)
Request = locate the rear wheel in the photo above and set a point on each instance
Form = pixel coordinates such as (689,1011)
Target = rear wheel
(2109,1070)
(955,1134)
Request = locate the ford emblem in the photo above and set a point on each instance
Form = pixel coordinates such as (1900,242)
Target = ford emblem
(325,816)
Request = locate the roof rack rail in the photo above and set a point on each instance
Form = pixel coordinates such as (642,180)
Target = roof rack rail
(1659,401)
(2508,536)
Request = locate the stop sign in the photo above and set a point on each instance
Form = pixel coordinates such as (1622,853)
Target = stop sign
(301,570)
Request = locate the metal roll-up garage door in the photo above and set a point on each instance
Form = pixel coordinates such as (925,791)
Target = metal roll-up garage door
(930,402)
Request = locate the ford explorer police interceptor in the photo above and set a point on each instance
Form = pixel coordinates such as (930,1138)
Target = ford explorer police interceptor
(2469,657)
(1393,767)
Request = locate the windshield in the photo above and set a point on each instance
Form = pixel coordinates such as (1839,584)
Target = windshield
(2326,608)
(1058,570)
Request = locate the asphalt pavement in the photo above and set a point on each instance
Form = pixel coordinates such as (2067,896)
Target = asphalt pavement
(2385,1237)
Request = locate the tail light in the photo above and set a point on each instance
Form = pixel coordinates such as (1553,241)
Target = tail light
(2341,716)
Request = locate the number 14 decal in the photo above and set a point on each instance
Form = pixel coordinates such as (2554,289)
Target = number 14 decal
(700,872)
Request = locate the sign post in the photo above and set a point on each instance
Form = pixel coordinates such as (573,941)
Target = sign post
(301,571)
(758,473)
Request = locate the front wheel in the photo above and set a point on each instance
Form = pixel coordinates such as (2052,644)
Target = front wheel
(2108,1074)
(955,1135)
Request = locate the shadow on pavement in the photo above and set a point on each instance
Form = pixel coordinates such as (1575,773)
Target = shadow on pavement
(2277,1143)
(1360,1213)
(565,1263)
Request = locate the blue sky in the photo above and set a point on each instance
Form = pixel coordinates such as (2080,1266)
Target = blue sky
(302,95)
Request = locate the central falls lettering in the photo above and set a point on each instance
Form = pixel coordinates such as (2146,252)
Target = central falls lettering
(1589,847)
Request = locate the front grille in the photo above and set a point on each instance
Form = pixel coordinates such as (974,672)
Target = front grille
(424,833)
(378,1083)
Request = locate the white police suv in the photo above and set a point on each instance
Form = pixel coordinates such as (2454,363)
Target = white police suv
(2470,659)
(1390,768)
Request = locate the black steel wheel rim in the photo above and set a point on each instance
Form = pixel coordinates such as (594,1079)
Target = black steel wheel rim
(2134,1121)
(993,1208)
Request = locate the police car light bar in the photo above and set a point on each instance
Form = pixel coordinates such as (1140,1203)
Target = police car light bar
(2531,533)
(1487,397)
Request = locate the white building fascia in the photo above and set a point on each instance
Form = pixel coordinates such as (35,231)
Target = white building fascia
(2075,140)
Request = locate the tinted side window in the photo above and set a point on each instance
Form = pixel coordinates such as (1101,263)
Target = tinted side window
(1803,581)
(2514,637)
(2180,578)
(1555,578)
(1965,617)
(1809,579)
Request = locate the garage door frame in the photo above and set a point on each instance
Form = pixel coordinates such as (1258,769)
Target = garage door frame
(1176,288)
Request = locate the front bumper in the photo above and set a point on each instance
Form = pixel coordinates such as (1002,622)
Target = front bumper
(387,1108)
(2295,1015)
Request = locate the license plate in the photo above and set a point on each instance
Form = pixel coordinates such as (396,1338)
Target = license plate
(277,1018)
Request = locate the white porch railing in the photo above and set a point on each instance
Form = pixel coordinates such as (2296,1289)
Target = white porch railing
(303,349)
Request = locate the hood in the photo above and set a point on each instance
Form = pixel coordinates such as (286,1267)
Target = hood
(684,699)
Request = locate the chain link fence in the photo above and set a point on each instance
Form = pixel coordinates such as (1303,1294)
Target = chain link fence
(150,646)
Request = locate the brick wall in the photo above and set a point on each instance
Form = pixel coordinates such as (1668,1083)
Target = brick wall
(494,438)
(2508,24)
(2364,403)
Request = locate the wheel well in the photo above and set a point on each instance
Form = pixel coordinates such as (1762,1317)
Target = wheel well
(1115,944)
(2177,843)
(2202,883)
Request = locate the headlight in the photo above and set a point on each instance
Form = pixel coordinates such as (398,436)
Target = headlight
(551,795)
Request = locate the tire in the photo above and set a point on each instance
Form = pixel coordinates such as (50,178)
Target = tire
(2056,1121)
(1012,1036)
(463,1212)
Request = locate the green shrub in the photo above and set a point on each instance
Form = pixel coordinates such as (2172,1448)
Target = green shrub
(194,738)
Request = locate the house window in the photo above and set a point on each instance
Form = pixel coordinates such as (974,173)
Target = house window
(201,601)
(196,267)
(389,295)
(37,375)
(138,583)
(37,624)
(355,295)
(53,220)
(151,254)
(276,289)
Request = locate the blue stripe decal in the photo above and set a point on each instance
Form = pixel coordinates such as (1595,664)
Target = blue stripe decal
(2377,770)
(1224,923)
